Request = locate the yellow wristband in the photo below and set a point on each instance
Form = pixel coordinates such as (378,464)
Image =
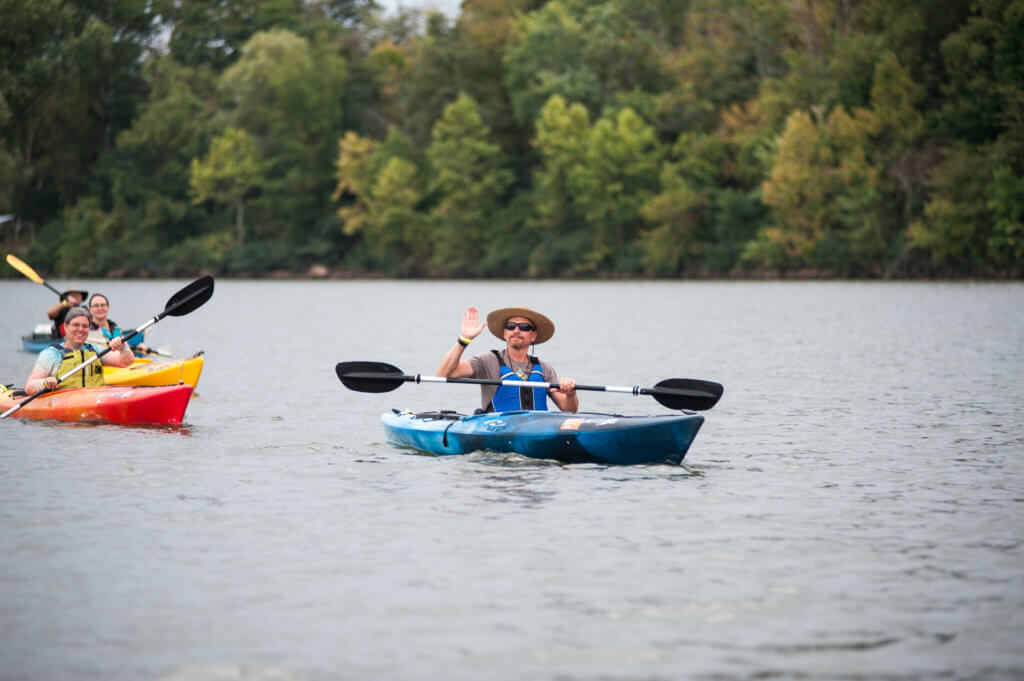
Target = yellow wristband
(463,341)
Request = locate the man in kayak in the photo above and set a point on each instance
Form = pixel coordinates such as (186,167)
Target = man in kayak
(519,327)
(71,298)
(58,359)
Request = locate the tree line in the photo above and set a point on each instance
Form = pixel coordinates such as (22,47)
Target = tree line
(692,138)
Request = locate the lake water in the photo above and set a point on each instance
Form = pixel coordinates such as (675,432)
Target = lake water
(852,509)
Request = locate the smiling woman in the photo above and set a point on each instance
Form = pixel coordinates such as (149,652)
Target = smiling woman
(99,307)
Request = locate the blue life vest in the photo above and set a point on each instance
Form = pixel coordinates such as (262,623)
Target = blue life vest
(116,331)
(513,398)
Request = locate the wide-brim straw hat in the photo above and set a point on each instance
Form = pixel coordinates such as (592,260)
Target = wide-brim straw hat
(75,289)
(496,322)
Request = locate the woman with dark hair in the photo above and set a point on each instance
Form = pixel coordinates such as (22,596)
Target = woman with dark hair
(99,307)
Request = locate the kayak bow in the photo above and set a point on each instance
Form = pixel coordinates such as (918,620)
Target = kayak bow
(151,373)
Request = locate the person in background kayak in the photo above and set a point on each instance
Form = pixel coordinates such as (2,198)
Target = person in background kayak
(99,307)
(71,298)
(519,327)
(60,358)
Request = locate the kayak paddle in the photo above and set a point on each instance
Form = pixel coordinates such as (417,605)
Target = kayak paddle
(162,351)
(21,266)
(24,268)
(674,393)
(181,303)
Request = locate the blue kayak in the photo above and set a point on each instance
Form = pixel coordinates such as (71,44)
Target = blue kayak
(564,436)
(37,343)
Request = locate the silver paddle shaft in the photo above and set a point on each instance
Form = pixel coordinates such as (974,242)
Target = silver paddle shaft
(632,390)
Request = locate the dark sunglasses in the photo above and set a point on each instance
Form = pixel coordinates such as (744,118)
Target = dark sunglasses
(523,326)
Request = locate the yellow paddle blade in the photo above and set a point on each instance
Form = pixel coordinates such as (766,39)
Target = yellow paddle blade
(19,265)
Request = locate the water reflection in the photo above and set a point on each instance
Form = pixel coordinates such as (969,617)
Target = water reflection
(524,488)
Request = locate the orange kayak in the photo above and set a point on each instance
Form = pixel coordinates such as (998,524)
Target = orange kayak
(163,405)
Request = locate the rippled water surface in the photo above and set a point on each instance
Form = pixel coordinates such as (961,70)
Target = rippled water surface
(852,509)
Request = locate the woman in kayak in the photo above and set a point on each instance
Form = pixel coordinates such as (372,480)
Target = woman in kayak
(519,327)
(58,359)
(73,297)
(99,307)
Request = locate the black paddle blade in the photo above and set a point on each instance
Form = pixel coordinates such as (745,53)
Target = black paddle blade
(686,393)
(370,377)
(189,298)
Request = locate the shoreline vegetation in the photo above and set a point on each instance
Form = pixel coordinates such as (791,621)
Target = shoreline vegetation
(534,139)
(321,273)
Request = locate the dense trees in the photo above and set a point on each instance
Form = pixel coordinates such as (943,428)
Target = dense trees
(537,137)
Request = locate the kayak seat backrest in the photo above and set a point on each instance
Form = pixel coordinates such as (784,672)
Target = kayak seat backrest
(443,415)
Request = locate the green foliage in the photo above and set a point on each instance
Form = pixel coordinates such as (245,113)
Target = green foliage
(85,227)
(70,80)
(381,194)
(585,52)
(9,180)
(286,93)
(618,176)
(824,193)
(150,167)
(197,254)
(562,137)
(429,83)
(399,234)
(482,33)
(547,59)
(736,216)
(212,34)
(355,174)
(957,221)
(1006,201)
(231,170)
(699,226)
(468,178)
(975,218)
(855,68)
(558,228)
(672,244)
(985,62)
(730,47)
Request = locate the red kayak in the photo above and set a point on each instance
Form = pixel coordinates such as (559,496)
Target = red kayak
(125,404)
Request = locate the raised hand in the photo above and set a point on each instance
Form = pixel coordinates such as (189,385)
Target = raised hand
(471,324)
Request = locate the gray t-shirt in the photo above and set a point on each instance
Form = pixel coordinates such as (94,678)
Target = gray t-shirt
(486,366)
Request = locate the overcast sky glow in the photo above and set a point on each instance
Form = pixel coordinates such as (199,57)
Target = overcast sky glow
(449,7)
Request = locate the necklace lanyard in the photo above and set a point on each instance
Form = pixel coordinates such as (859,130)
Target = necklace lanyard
(524,374)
